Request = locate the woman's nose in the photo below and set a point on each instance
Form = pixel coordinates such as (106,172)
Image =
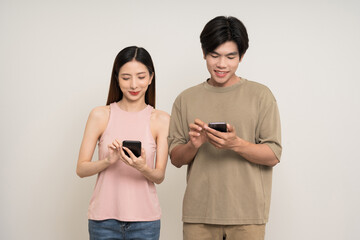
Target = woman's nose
(133,83)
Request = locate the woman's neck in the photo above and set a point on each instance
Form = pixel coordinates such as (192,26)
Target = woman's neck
(131,106)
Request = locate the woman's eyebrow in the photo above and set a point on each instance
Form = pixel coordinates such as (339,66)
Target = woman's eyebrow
(141,73)
(128,74)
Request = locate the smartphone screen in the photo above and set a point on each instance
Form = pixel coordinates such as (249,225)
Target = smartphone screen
(134,146)
(218,126)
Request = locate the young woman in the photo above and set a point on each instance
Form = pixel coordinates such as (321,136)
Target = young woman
(124,204)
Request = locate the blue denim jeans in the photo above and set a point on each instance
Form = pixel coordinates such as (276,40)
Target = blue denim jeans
(112,229)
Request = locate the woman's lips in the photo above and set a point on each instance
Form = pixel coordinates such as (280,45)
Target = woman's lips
(134,93)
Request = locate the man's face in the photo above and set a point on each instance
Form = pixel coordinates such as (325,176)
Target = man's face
(222,64)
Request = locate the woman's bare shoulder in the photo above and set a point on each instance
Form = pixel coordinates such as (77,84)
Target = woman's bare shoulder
(100,113)
(161,116)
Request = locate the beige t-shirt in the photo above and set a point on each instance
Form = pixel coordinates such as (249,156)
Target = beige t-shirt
(223,187)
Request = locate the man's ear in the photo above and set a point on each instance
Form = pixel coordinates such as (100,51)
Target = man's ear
(241,58)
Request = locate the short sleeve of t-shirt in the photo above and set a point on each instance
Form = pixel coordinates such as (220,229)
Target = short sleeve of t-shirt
(178,130)
(268,130)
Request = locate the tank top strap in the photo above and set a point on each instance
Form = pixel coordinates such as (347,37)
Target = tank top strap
(147,117)
(114,108)
(149,110)
(114,112)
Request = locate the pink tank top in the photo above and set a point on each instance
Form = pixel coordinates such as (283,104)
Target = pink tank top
(122,192)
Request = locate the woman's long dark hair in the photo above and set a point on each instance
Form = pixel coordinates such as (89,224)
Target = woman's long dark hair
(126,55)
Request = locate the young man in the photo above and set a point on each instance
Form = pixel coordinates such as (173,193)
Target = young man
(229,173)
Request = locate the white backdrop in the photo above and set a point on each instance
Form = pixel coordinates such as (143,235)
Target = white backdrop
(56,59)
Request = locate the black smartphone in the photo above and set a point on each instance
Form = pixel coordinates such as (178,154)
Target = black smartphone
(134,146)
(218,126)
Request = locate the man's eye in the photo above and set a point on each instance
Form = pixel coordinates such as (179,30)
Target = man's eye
(214,56)
(231,57)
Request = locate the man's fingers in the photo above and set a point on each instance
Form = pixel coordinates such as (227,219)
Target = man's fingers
(195,127)
(194,134)
(199,122)
(230,128)
(213,137)
(217,144)
(211,131)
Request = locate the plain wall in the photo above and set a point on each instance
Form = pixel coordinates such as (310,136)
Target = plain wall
(55,63)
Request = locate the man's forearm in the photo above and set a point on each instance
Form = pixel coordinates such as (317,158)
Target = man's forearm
(183,154)
(256,153)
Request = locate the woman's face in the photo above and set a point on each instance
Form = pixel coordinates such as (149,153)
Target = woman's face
(134,79)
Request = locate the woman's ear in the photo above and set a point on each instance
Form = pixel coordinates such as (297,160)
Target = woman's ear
(151,78)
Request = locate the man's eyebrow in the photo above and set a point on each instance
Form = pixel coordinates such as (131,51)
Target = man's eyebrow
(232,54)
(229,54)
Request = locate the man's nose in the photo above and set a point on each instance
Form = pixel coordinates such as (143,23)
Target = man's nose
(221,63)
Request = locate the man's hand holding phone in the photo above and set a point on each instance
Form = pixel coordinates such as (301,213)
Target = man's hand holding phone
(220,134)
(218,126)
(197,134)
(221,139)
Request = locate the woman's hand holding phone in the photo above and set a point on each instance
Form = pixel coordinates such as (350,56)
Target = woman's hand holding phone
(138,163)
(114,152)
(119,151)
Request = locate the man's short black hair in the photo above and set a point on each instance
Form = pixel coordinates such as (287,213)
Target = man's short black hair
(222,29)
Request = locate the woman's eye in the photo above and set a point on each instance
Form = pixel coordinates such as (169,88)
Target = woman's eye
(125,79)
(141,78)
